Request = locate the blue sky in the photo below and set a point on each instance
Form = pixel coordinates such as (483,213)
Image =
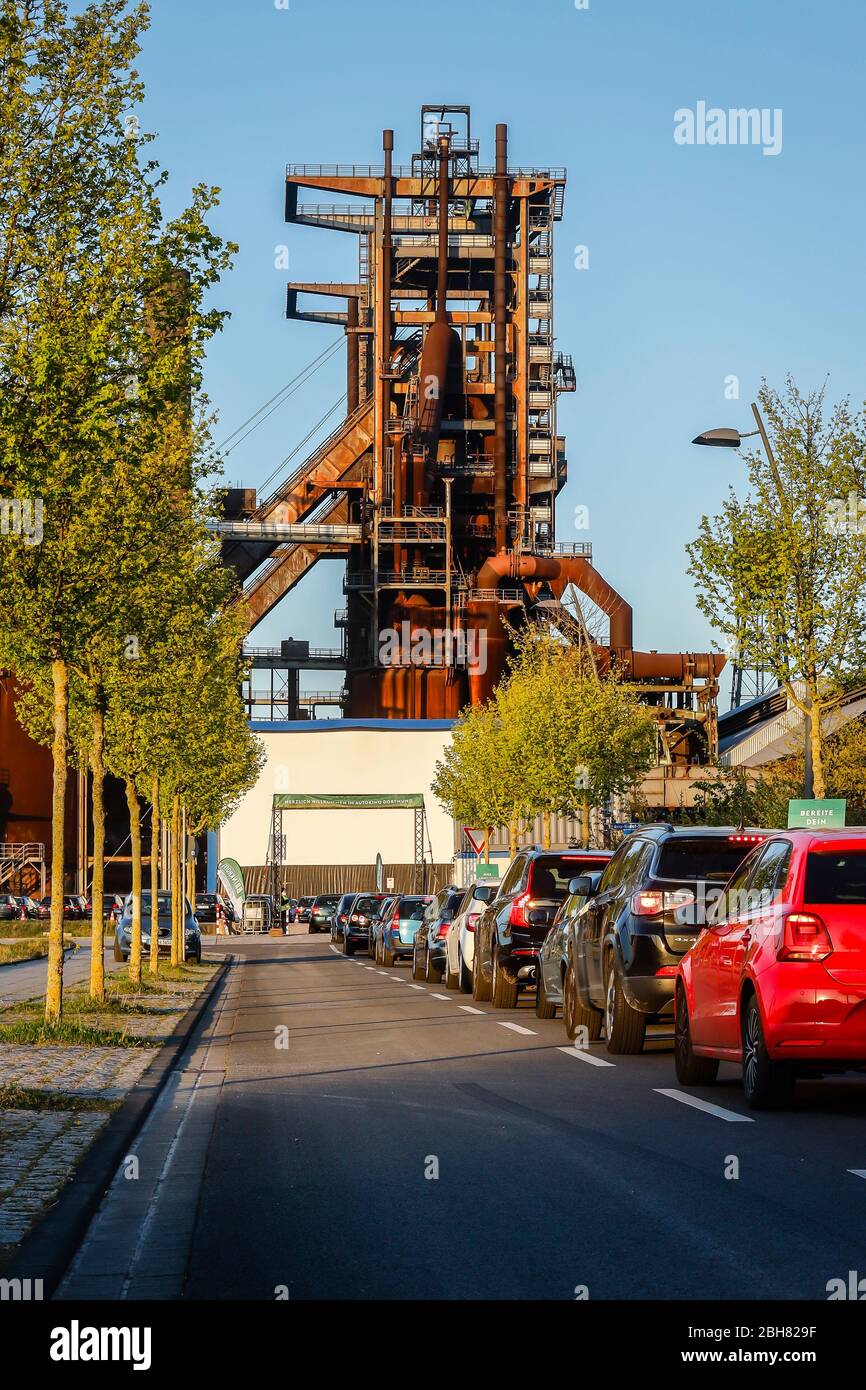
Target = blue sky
(705,262)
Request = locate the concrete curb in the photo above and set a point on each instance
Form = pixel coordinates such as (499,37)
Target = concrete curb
(47,1251)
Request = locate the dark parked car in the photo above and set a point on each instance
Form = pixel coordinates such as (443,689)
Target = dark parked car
(123,932)
(206,905)
(322,910)
(645,914)
(9,908)
(340,916)
(71,907)
(428,949)
(510,932)
(555,954)
(356,929)
(304,908)
(383,913)
(395,936)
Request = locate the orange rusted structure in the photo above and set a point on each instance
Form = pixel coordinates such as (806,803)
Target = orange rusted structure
(449,461)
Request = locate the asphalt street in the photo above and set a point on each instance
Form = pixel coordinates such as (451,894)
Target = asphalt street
(337,1131)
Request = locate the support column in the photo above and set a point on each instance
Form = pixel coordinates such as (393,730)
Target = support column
(500,316)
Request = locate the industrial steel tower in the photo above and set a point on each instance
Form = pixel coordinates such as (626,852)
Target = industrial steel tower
(439,487)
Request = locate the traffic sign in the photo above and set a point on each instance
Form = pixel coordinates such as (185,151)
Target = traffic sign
(828,814)
(483,870)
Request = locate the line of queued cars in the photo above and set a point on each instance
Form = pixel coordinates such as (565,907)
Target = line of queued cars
(751,943)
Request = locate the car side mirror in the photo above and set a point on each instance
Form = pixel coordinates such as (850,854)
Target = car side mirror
(584,885)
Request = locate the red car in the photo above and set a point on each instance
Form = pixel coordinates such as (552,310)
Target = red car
(777,978)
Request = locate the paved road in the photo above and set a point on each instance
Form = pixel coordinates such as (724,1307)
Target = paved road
(27,981)
(307,1169)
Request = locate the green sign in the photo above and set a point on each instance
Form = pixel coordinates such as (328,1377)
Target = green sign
(816,815)
(231,876)
(483,870)
(317,801)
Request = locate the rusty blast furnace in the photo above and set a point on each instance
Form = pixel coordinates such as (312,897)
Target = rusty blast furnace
(439,487)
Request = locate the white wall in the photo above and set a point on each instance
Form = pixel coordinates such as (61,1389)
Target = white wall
(342,758)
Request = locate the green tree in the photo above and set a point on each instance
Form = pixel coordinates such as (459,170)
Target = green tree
(781,571)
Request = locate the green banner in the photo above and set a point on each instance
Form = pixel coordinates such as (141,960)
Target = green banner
(231,876)
(816,815)
(316,801)
(483,870)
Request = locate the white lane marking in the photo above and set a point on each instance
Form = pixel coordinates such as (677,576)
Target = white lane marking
(421,987)
(467,1009)
(516,1028)
(858,1172)
(381,972)
(446,997)
(336,952)
(583,1056)
(705,1105)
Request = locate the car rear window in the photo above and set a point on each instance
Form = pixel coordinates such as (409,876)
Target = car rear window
(410,905)
(694,858)
(550,875)
(326,902)
(838,878)
(369,904)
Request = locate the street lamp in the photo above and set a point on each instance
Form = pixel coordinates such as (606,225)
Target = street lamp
(732,439)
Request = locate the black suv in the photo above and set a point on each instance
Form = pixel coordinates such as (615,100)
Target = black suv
(642,917)
(355,931)
(322,910)
(510,932)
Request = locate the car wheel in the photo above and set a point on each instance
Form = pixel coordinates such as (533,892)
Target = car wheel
(504,990)
(452,977)
(574,1015)
(625,1027)
(480,985)
(118,954)
(432,973)
(767,1084)
(543,1006)
(465,978)
(348,947)
(388,958)
(691,1070)
(417,971)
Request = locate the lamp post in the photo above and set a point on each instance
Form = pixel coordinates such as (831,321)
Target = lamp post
(732,439)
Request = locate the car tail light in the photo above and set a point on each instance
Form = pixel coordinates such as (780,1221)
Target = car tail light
(667,971)
(740,839)
(517,916)
(804,937)
(471,920)
(650,902)
(395,922)
(443,929)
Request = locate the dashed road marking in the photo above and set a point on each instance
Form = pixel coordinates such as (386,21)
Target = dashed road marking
(705,1105)
(584,1056)
(446,997)
(381,972)
(516,1028)
(468,1009)
(421,987)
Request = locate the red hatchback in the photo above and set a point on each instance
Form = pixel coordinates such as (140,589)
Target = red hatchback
(777,978)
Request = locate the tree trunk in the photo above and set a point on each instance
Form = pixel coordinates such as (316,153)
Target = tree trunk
(584,822)
(545,830)
(512,836)
(97,922)
(154,879)
(135,840)
(487,845)
(54,981)
(176,907)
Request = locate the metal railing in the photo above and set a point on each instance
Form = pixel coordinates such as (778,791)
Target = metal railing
(321,450)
